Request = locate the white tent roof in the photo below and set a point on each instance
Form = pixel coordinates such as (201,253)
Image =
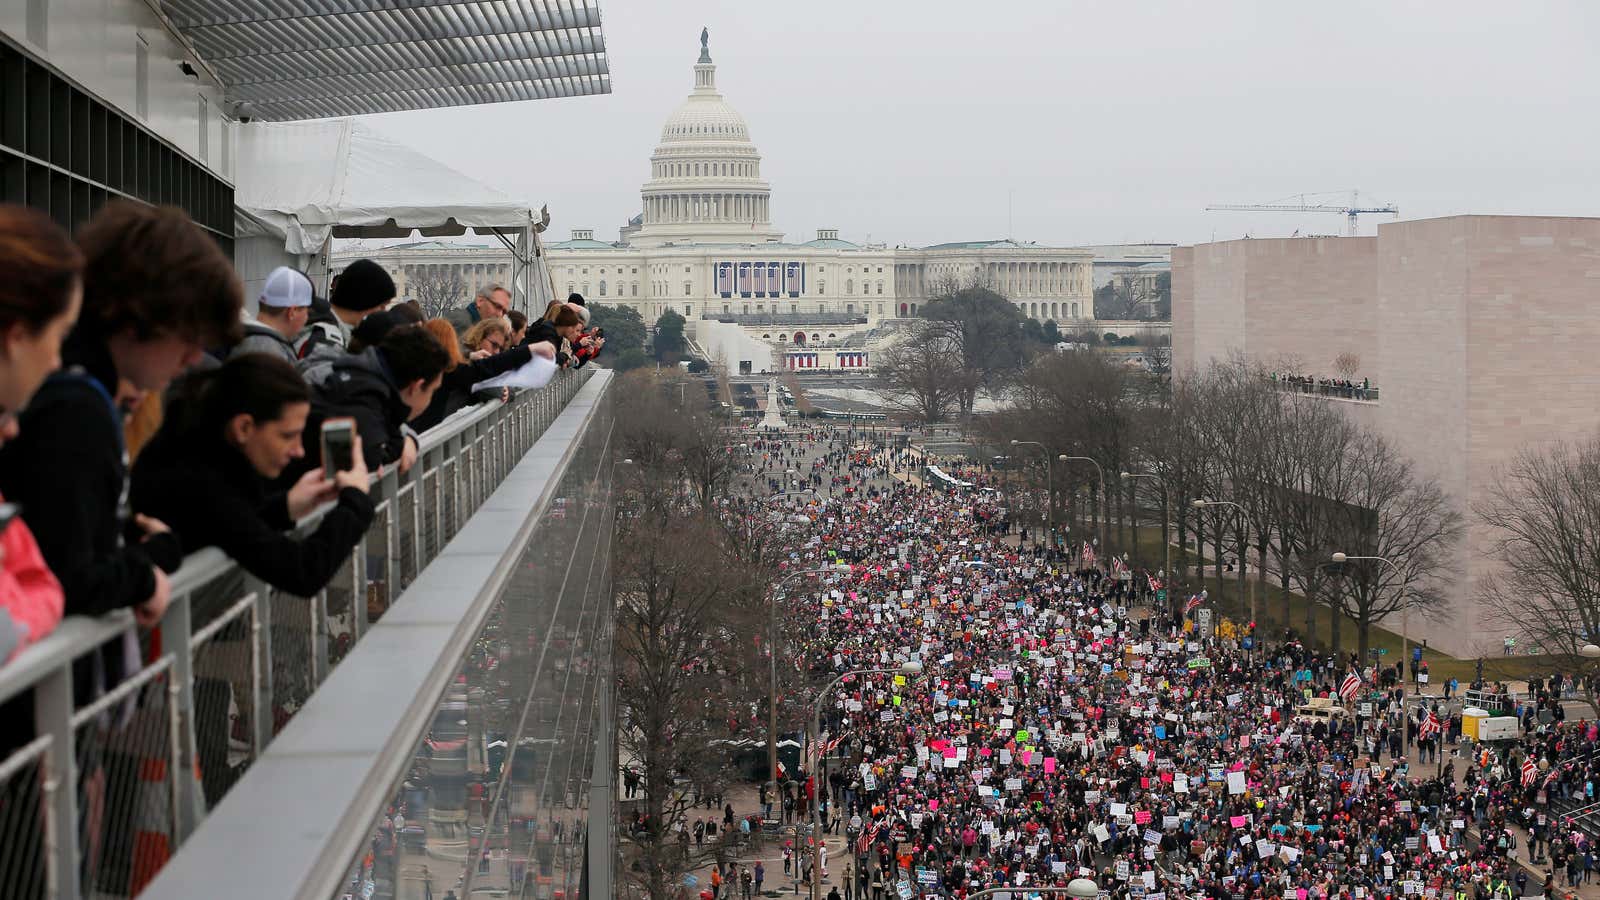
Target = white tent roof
(312,180)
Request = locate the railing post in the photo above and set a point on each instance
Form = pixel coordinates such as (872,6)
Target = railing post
(261,664)
(177,639)
(317,610)
(52,715)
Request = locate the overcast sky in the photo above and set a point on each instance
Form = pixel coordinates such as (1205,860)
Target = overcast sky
(912,121)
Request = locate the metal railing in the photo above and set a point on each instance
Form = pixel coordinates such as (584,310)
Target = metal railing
(97,792)
(1366,393)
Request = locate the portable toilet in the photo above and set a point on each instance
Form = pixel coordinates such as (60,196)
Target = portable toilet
(1471,718)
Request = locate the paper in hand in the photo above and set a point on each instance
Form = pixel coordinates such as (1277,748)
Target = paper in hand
(535,373)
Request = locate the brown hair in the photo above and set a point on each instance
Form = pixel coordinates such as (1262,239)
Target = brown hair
(551,310)
(565,316)
(41,266)
(475,335)
(445,334)
(149,270)
(518,319)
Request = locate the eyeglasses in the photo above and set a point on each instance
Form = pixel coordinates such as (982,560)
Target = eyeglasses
(494,344)
(500,308)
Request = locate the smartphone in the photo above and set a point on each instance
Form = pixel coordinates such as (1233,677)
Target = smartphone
(599,332)
(8,512)
(338,445)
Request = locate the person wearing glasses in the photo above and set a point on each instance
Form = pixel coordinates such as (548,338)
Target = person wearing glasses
(487,343)
(492,302)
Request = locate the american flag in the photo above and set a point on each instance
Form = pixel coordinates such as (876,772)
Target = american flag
(1088,556)
(1551,778)
(774,278)
(1193,602)
(1529,772)
(1118,566)
(1155,583)
(744,278)
(1350,687)
(1430,726)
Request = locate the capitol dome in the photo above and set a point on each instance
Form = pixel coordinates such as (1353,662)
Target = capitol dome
(705,176)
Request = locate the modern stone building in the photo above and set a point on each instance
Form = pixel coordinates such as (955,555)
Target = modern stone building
(1480,332)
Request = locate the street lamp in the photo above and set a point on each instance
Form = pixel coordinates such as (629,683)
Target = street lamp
(1405,612)
(1166,545)
(772,664)
(1105,508)
(909,667)
(1200,503)
(1049,485)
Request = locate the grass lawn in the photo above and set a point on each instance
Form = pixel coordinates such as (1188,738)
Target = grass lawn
(1386,636)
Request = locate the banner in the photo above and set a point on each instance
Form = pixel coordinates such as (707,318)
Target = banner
(744,280)
(794,278)
(725,279)
(774,279)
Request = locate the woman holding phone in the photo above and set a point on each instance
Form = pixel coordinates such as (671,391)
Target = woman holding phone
(40,292)
(208,474)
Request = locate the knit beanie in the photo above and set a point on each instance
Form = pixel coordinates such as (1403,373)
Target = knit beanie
(363,285)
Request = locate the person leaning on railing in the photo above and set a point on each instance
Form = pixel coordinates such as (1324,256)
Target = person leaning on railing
(156,291)
(208,474)
(492,355)
(41,289)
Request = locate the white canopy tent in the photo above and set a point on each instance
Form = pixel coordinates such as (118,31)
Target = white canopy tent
(300,184)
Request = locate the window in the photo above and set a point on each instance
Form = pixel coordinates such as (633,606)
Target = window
(688,289)
(687,312)
(822,287)
(687,270)
(849,309)
(880,284)
(602,287)
(585,270)
(635,271)
(571,287)
(635,287)
(849,286)
(880,309)
(586,287)
(880,270)
(727,308)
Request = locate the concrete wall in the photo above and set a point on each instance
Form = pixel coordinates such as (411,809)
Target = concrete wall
(1489,337)
(1183,349)
(1292,303)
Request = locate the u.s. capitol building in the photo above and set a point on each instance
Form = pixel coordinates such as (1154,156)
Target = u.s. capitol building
(704,246)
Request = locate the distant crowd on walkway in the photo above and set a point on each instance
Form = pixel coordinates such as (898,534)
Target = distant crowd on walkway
(1326,387)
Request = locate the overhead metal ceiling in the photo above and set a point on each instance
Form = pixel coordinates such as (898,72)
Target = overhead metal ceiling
(282,60)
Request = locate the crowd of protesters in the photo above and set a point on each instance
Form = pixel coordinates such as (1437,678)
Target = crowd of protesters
(1327,387)
(145,417)
(1064,724)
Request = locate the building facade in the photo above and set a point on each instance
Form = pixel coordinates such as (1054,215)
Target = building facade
(1479,332)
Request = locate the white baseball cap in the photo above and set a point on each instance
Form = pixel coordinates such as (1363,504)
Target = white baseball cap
(286,287)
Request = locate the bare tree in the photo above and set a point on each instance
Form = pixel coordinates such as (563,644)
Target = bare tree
(1392,512)
(1545,512)
(436,289)
(1347,364)
(921,374)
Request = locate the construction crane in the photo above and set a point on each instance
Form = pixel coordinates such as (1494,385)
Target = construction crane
(1349,212)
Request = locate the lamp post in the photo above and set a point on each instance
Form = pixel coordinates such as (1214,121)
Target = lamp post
(772,666)
(1050,486)
(909,667)
(1105,508)
(1205,504)
(1166,544)
(1405,612)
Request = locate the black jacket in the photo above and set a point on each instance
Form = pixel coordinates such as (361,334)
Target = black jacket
(208,493)
(455,391)
(67,470)
(541,331)
(360,386)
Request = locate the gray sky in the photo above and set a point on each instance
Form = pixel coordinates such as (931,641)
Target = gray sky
(911,120)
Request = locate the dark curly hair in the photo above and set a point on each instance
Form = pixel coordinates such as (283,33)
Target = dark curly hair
(151,271)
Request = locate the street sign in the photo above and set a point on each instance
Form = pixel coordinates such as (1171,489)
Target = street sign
(1161,595)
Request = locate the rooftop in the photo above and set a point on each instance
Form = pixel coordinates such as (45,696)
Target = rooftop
(311,59)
